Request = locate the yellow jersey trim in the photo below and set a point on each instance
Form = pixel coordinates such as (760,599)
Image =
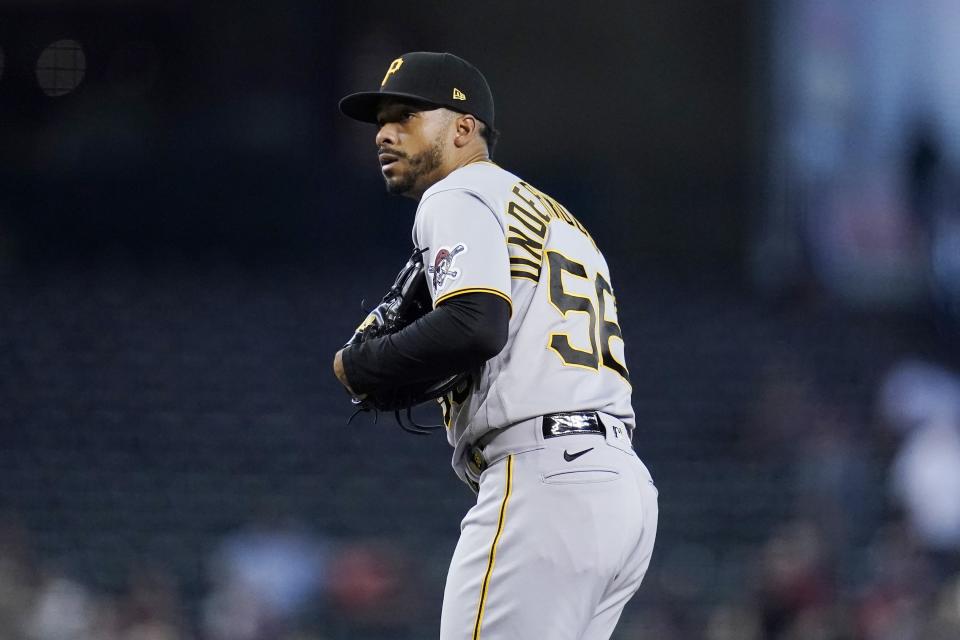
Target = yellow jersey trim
(458,292)
(493,549)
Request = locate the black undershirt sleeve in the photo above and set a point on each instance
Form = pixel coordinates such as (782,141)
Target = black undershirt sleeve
(462,333)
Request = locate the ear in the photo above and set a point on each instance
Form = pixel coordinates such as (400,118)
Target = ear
(465,129)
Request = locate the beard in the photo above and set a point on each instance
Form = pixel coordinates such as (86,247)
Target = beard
(418,166)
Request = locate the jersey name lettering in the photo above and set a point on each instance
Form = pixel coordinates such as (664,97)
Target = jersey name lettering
(533,211)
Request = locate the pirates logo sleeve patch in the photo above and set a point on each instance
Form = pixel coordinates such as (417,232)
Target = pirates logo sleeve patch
(443,271)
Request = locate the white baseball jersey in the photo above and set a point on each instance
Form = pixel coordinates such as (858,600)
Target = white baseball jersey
(485,229)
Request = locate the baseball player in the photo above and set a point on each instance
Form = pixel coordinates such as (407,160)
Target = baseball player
(566,514)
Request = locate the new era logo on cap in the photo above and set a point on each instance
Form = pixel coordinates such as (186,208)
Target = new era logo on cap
(439,79)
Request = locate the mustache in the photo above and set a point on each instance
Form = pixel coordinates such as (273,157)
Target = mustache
(393,152)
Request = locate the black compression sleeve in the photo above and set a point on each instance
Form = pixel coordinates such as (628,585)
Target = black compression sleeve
(462,333)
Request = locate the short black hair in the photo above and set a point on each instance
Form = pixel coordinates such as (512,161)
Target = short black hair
(490,135)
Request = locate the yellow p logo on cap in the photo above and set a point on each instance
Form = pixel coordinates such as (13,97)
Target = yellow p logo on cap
(394,67)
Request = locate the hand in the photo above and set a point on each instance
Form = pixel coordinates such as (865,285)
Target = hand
(341,374)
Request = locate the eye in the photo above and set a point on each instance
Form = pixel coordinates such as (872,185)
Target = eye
(402,116)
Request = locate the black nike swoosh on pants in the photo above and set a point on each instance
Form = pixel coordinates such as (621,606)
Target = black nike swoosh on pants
(570,457)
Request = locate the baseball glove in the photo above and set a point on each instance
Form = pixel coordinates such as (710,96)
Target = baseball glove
(406,301)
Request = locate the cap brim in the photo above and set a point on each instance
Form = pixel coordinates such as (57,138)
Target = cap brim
(363,106)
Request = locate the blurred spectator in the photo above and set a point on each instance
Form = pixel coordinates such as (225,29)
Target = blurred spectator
(833,482)
(63,610)
(373,586)
(150,609)
(921,401)
(891,606)
(264,577)
(794,584)
(817,440)
(933,187)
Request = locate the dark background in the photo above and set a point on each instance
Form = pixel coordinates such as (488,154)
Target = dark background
(185,239)
(216,130)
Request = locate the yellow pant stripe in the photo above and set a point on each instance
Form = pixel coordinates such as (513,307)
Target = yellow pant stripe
(493,550)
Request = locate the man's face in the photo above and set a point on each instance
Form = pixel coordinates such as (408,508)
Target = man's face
(411,144)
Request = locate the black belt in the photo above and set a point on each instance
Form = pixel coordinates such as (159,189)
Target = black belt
(555,425)
(572,424)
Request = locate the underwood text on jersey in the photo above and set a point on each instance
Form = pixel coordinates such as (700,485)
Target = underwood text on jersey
(533,211)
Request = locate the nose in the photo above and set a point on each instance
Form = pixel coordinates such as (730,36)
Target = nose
(387,134)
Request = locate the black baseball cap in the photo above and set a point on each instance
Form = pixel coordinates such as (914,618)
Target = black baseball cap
(438,79)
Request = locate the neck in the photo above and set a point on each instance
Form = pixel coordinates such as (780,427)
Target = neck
(479,155)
